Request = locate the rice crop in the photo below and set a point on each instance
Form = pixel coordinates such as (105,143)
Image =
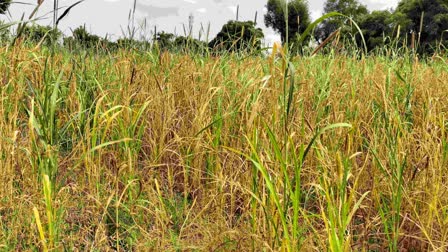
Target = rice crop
(158,151)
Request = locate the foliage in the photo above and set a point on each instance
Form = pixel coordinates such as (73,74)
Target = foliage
(297,12)
(377,27)
(38,33)
(238,36)
(165,40)
(350,8)
(185,44)
(434,24)
(82,38)
(4,5)
(127,43)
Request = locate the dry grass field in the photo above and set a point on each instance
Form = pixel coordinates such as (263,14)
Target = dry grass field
(171,152)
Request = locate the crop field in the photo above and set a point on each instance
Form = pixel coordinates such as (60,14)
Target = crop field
(162,151)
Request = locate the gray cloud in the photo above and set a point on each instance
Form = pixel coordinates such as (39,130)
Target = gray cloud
(157,12)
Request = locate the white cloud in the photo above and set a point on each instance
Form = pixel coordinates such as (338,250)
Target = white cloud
(315,14)
(270,38)
(232,8)
(202,10)
(191,1)
(381,4)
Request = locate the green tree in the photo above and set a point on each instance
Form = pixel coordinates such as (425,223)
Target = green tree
(129,43)
(189,44)
(434,24)
(4,5)
(377,29)
(82,38)
(37,33)
(238,36)
(165,40)
(351,8)
(276,18)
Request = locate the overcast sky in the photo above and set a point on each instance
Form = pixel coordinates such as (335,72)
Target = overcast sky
(111,16)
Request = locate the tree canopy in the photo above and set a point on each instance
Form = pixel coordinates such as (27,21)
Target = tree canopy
(189,44)
(165,40)
(351,8)
(37,33)
(81,37)
(297,12)
(238,36)
(434,24)
(377,27)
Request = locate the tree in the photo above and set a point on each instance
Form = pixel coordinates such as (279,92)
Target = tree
(434,24)
(376,27)
(82,38)
(238,36)
(182,43)
(37,33)
(351,8)
(129,43)
(4,5)
(165,40)
(276,18)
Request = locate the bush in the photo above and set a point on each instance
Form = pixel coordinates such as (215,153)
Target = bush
(238,36)
(37,33)
(189,44)
(82,38)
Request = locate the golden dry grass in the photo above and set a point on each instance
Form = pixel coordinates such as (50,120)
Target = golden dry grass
(179,176)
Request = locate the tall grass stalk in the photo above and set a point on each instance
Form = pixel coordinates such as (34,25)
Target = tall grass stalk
(48,235)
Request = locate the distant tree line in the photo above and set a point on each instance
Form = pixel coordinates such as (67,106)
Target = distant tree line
(419,24)
(235,36)
(422,24)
